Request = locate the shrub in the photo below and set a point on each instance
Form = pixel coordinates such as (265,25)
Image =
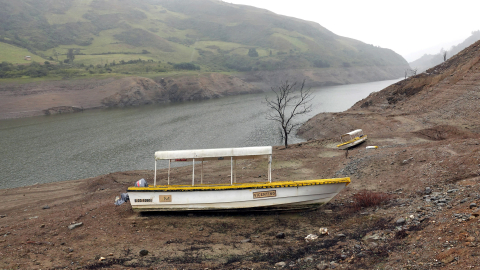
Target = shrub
(252,52)
(367,198)
(187,66)
(321,64)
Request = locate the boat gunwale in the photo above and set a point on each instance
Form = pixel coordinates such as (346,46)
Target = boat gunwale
(352,140)
(239,186)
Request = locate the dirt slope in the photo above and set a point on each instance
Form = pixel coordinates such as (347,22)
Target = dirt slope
(445,95)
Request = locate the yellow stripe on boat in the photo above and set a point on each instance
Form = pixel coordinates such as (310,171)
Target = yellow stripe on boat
(356,139)
(205,187)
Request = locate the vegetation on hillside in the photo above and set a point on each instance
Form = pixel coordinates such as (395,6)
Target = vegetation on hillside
(208,35)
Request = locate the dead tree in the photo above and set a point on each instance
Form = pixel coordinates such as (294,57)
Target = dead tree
(444,56)
(412,71)
(289,102)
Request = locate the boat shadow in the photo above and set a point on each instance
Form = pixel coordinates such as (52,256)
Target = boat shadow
(260,211)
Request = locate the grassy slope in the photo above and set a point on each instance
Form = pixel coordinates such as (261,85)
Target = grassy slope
(215,35)
(16,55)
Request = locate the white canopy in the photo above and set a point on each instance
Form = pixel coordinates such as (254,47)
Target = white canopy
(215,154)
(245,152)
(356,131)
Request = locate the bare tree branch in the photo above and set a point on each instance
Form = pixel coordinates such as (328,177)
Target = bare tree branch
(287,105)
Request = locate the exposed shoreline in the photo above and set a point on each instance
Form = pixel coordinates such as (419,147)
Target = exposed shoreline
(66,96)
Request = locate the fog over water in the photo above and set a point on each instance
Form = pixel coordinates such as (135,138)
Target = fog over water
(81,145)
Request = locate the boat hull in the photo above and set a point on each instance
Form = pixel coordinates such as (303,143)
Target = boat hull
(281,196)
(353,143)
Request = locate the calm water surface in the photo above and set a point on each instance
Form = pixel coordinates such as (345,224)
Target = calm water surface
(74,146)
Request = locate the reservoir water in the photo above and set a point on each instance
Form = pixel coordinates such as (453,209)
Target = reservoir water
(81,145)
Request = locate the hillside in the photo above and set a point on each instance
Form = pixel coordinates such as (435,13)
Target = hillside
(443,97)
(185,49)
(429,60)
(214,35)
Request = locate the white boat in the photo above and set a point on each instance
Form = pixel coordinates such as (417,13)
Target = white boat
(280,195)
(352,139)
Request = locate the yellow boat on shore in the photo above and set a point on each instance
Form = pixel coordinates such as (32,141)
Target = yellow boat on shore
(279,195)
(352,139)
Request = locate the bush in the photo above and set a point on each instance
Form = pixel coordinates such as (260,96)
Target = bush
(252,52)
(367,198)
(321,64)
(187,66)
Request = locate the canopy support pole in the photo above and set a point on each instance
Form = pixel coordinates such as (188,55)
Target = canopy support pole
(231,170)
(270,168)
(169,161)
(201,175)
(193,172)
(155,175)
(235,171)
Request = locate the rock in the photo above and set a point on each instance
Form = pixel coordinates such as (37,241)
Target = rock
(311,237)
(449,259)
(246,240)
(2,216)
(200,229)
(280,235)
(428,190)
(323,231)
(322,266)
(473,205)
(340,235)
(470,239)
(308,259)
(102,259)
(400,221)
(280,264)
(131,263)
(76,225)
(372,237)
(46,207)
(42,226)
(464,200)
(143,252)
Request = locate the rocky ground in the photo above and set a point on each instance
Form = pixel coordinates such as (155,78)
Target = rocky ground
(426,171)
(429,220)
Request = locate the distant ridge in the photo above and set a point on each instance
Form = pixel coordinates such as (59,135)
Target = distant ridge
(215,35)
(429,60)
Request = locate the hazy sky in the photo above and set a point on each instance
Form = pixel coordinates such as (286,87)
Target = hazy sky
(406,26)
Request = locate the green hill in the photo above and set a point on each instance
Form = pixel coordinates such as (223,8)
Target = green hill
(211,35)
